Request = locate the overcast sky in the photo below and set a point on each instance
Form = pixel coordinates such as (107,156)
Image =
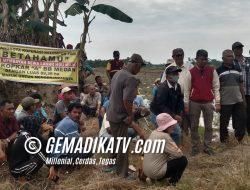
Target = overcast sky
(161,25)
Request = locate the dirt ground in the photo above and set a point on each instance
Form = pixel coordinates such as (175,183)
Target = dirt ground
(229,169)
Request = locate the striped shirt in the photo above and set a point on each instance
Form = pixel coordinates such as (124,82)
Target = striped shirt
(244,65)
(230,80)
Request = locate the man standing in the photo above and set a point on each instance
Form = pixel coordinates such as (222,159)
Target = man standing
(169,99)
(232,97)
(201,88)
(120,111)
(8,126)
(114,65)
(244,64)
(178,57)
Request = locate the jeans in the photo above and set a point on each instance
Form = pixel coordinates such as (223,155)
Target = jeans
(176,135)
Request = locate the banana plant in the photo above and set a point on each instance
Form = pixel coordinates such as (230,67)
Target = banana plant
(86,8)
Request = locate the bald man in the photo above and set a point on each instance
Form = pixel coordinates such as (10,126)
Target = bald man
(232,97)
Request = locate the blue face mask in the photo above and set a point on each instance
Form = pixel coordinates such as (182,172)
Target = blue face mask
(175,78)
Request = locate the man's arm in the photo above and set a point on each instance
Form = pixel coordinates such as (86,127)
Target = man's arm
(129,94)
(108,68)
(187,89)
(216,90)
(242,91)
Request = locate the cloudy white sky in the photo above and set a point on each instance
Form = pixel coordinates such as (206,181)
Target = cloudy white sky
(161,25)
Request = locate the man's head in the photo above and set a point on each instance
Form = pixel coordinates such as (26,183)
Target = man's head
(172,74)
(29,104)
(228,57)
(75,111)
(135,63)
(7,109)
(201,58)
(92,90)
(178,56)
(68,94)
(69,46)
(237,48)
(86,88)
(37,97)
(116,55)
(98,80)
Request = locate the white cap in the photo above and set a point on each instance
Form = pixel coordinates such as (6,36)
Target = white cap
(66,89)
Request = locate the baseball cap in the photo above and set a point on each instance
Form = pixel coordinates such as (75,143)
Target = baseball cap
(66,89)
(177,51)
(172,69)
(29,101)
(237,44)
(136,58)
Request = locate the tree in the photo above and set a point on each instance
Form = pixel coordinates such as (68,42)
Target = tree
(84,7)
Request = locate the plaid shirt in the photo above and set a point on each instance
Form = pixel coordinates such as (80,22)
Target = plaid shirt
(244,64)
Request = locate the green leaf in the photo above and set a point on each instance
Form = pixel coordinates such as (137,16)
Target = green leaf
(61,1)
(62,23)
(82,2)
(14,2)
(38,26)
(112,12)
(76,9)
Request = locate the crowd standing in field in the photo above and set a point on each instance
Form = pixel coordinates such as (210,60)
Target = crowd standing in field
(179,97)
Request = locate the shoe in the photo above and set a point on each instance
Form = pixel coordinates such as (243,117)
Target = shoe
(195,151)
(209,151)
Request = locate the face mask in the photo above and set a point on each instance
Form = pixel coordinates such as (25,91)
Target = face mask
(175,78)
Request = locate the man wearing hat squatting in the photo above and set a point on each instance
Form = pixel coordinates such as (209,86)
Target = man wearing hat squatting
(244,64)
(169,99)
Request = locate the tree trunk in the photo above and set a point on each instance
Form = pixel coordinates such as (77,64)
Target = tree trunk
(45,35)
(56,8)
(5,8)
(35,35)
(85,33)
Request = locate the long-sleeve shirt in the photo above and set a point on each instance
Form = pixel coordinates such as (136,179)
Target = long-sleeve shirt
(168,99)
(215,88)
(155,164)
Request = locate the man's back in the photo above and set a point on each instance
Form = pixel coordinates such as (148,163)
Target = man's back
(67,128)
(123,87)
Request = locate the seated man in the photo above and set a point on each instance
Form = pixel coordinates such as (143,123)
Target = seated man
(8,126)
(169,164)
(139,108)
(92,102)
(28,105)
(102,88)
(70,127)
(23,165)
(61,106)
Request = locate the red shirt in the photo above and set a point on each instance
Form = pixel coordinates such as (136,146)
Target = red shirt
(8,127)
(113,66)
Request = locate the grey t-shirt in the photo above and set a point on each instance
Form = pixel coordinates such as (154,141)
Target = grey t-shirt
(123,87)
(59,109)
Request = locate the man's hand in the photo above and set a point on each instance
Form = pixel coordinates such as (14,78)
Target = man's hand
(53,174)
(128,120)
(217,108)
(47,127)
(178,118)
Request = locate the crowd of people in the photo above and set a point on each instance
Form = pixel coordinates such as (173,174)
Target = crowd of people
(179,97)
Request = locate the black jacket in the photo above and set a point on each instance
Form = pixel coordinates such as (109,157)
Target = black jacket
(167,100)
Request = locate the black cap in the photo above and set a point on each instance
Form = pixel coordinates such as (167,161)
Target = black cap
(172,69)
(236,45)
